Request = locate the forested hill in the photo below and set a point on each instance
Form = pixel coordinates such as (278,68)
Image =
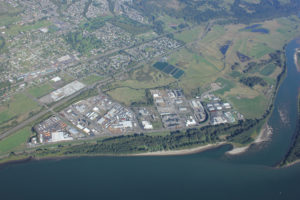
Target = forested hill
(237,11)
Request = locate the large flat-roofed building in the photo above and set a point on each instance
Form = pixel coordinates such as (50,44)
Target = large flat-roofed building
(147,125)
(63,92)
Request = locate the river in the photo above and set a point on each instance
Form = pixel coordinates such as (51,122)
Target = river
(207,175)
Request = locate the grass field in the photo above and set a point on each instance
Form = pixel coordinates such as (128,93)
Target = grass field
(189,35)
(15,141)
(14,29)
(199,69)
(169,22)
(215,33)
(259,50)
(130,25)
(7,20)
(146,36)
(8,14)
(145,77)
(39,91)
(18,106)
(67,78)
(226,85)
(165,133)
(127,95)
(91,79)
(250,107)
(268,70)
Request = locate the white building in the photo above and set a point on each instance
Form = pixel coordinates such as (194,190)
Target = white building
(59,136)
(56,79)
(147,125)
(191,122)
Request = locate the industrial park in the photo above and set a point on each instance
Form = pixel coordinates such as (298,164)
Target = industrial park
(101,116)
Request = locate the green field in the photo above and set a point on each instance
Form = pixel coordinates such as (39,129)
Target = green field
(165,133)
(170,21)
(250,108)
(145,77)
(8,14)
(15,29)
(188,36)
(199,69)
(130,25)
(268,70)
(39,91)
(91,79)
(15,141)
(18,106)
(226,85)
(127,95)
(215,33)
(259,50)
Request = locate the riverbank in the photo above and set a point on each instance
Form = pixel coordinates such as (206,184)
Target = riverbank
(296,60)
(292,157)
(195,150)
(181,152)
(264,136)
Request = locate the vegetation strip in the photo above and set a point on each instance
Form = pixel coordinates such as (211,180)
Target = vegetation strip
(293,154)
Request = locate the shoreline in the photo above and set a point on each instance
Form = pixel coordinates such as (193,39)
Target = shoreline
(296,59)
(146,154)
(181,152)
(291,164)
(264,135)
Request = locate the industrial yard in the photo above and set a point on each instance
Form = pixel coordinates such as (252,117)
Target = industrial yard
(101,116)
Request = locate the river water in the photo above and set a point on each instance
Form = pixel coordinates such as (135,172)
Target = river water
(207,175)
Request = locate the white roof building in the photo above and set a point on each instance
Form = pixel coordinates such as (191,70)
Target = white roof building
(59,136)
(64,58)
(86,130)
(227,106)
(191,122)
(56,79)
(147,125)
(44,30)
(79,126)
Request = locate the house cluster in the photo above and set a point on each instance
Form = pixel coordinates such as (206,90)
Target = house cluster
(154,48)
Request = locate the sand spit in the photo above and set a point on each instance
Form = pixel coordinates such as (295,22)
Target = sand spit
(264,136)
(181,152)
(296,59)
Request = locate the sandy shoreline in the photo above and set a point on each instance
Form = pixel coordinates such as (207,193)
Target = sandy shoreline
(296,59)
(291,164)
(264,136)
(180,152)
